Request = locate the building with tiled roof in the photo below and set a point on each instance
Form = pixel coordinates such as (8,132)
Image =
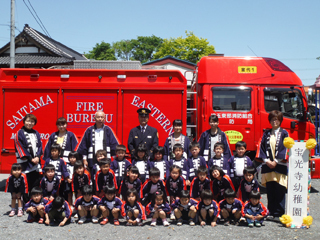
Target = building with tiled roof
(36,50)
(170,62)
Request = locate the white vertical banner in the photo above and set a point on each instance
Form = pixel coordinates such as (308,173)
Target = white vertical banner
(297,196)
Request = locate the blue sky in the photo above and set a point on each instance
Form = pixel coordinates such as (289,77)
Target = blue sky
(287,30)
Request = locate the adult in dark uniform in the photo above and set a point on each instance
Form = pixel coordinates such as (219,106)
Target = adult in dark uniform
(97,137)
(143,134)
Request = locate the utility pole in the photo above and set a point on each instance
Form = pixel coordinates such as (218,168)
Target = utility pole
(12,37)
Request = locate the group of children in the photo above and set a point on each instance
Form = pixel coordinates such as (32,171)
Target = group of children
(156,187)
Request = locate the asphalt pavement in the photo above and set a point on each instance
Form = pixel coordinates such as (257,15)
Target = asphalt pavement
(17,228)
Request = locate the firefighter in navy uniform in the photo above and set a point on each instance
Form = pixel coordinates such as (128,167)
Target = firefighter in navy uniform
(143,134)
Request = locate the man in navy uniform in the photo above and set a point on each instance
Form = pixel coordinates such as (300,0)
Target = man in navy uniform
(143,134)
(99,136)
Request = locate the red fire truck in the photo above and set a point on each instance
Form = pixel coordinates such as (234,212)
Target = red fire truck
(241,91)
(78,94)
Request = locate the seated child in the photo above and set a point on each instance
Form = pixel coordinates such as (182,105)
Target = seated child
(247,184)
(59,164)
(119,165)
(130,181)
(86,205)
(17,185)
(152,185)
(110,205)
(159,162)
(104,177)
(199,183)
(208,209)
(195,161)
(237,163)
(180,161)
(175,184)
(50,183)
(158,208)
(141,161)
(254,211)
(100,154)
(230,208)
(219,160)
(68,194)
(58,210)
(35,207)
(219,182)
(81,177)
(185,208)
(132,210)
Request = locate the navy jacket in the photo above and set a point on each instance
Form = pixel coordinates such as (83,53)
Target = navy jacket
(149,138)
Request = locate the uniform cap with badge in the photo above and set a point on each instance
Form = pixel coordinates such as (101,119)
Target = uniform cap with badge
(143,112)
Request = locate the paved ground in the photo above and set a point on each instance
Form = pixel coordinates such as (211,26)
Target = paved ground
(17,228)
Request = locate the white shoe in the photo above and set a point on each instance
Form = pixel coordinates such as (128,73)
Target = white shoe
(172,217)
(82,220)
(95,219)
(153,224)
(191,223)
(166,223)
(75,216)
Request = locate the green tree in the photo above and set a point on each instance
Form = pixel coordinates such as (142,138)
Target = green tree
(102,51)
(123,49)
(190,48)
(144,48)
(141,49)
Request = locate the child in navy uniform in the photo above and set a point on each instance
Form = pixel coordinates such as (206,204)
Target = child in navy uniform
(159,162)
(141,162)
(254,211)
(17,185)
(81,177)
(237,163)
(35,207)
(100,154)
(180,161)
(59,164)
(152,185)
(58,210)
(208,209)
(219,159)
(195,161)
(110,205)
(210,137)
(86,205)
(132,210)
(219,182)
(185,208)
(230,208)
(247,184)
(175,184)
(50,183)
(158,208)
(199,183)
(174,138)
(104,177)
(119,165)
(130,181)
(68,194)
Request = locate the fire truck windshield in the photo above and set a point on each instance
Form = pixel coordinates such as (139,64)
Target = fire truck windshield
(231,98)
(287,100)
